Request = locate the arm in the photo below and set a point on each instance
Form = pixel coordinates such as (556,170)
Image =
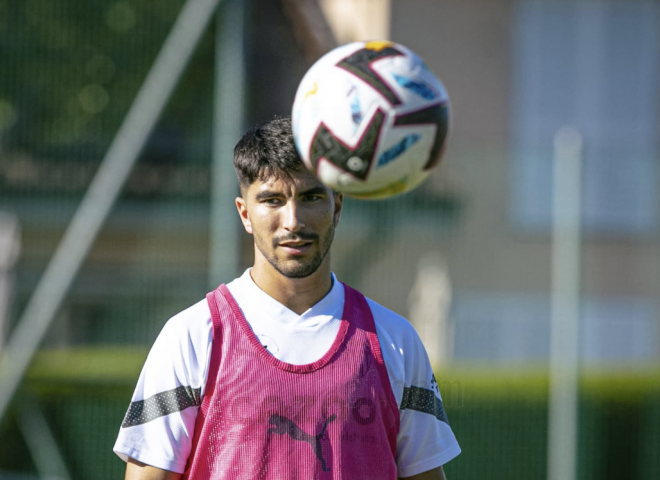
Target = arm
(160,422)
(435,474)
(139,471)
(425,440)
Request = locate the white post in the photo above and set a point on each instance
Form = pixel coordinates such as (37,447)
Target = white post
(228,126)
(565,313)
(41,443)
(102,193)
(429,306)
(10,247)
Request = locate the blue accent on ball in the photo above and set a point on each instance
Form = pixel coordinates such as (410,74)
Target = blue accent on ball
(419,88)
(389,155)
(356,111)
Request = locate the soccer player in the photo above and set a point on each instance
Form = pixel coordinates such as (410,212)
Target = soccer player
(285,373)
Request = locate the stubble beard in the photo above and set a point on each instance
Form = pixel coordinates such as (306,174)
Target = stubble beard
(296,268)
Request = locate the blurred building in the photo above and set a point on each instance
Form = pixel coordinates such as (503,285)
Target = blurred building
(517,71)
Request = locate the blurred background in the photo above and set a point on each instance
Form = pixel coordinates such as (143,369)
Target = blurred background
(473,257)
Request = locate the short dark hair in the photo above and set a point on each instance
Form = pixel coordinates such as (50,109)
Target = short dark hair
(266,151)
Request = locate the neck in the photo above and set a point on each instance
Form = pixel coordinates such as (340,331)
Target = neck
(297,294)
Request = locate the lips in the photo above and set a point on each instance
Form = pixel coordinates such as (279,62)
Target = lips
(295,248)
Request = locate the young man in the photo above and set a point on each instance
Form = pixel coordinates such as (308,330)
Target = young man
(285,373)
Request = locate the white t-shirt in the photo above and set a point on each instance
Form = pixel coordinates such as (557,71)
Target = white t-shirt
(159,425)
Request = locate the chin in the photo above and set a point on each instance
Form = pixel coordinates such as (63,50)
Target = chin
(297,270)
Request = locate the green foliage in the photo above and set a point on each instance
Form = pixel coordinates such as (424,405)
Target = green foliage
(71,69)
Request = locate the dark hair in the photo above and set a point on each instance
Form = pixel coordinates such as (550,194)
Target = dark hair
(266,151)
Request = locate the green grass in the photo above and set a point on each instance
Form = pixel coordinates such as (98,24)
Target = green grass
(113,365)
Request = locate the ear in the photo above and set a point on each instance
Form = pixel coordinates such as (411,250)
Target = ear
(339,202)
(241,206)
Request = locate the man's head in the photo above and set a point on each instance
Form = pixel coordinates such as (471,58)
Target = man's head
(289,212)
(267,151)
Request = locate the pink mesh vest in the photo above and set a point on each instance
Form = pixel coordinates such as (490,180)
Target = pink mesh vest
(262,418)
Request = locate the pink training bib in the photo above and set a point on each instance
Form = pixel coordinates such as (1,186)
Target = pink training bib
(262,418)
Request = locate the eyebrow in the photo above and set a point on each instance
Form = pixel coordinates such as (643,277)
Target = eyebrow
(315,191)
(267,194)
(263,195)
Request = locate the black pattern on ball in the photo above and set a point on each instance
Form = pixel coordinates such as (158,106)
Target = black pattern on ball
(437,115)
(359,64)
(326,145)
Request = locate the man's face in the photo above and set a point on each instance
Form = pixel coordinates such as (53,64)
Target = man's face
(292,220)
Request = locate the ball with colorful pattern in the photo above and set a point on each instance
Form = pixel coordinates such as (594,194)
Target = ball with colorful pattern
(371,120)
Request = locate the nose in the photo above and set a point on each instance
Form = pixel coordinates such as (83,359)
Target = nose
(291,220)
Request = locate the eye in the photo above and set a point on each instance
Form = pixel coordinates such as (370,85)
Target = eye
(312,198)
(271,201)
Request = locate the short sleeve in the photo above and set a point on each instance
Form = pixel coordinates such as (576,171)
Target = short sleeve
(159,425)
(425,440)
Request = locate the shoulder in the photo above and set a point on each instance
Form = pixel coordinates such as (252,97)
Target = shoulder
(395,333)
(403,352)
(191,322)
(188,331)
(179,356)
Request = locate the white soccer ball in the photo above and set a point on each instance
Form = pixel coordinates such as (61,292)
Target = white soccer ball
(370,119)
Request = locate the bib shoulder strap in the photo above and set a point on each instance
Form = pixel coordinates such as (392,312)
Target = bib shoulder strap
(356,309)
(214,300)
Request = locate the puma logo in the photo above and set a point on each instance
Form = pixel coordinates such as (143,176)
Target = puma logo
(285,426)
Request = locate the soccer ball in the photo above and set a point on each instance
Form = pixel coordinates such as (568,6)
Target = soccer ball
(370,119)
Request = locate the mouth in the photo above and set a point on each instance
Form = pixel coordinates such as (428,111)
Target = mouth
(296,248)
